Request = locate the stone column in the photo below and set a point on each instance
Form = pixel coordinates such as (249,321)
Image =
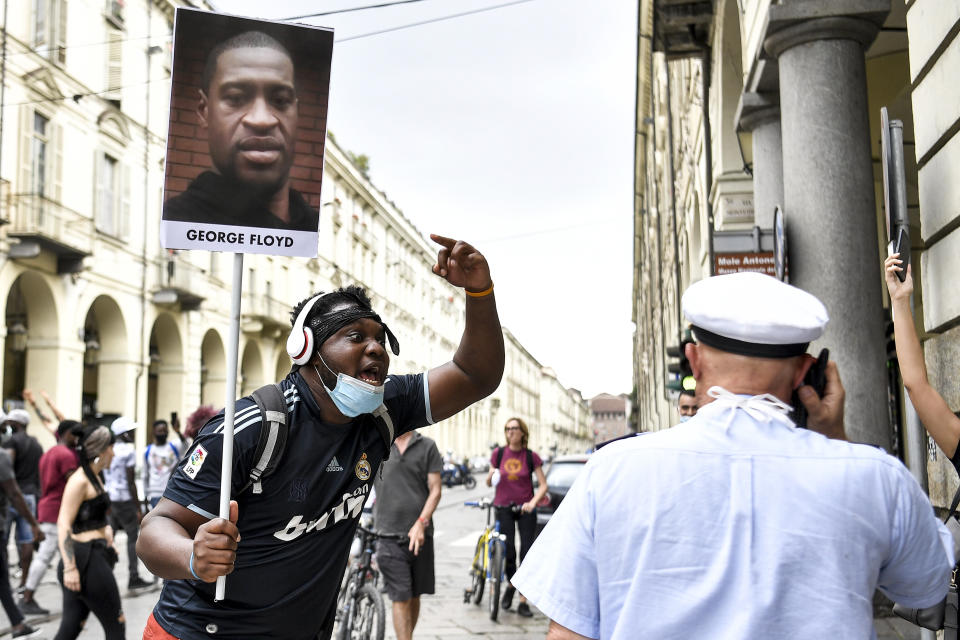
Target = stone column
(829,201)
(760,115)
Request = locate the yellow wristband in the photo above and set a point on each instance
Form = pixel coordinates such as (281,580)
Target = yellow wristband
(480,294)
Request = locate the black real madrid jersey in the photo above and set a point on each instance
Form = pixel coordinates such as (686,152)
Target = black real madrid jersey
(296,534)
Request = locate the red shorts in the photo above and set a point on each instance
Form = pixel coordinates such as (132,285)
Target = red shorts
(153,631)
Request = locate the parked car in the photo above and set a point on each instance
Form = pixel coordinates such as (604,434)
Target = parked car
(560,473)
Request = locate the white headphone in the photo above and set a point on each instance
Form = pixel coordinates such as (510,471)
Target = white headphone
(300,340)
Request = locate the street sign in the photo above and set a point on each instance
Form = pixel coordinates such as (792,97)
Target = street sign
(762,262)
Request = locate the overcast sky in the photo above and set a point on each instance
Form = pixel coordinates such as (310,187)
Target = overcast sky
(511,129)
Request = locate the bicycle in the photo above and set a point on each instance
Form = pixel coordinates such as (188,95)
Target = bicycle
(489,562)
(360,613)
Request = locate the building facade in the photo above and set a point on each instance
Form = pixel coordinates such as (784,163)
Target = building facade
(105,321)
(610,416)
(746,105)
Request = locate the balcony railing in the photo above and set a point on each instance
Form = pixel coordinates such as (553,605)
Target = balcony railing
(63,231)
(179,281)
(266,309)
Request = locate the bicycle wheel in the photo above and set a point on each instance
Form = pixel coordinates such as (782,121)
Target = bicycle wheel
(368,618)
(469,481)
(478,576)
(496,572)
(341,623)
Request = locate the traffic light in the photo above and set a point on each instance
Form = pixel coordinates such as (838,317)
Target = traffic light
(679,367)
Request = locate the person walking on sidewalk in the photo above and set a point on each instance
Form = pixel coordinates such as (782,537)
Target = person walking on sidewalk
(56,465)
(25,452)
(158,462)
(513,466)
(126,511)
(738,523)
(408,492)
(10,495)
(87,554)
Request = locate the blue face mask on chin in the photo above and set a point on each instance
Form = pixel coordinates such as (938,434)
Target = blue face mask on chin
(352,397)
(685,418)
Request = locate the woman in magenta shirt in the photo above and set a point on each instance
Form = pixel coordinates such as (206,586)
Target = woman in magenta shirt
(516,465)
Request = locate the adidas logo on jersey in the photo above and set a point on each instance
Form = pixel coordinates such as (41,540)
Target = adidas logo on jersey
(334,465)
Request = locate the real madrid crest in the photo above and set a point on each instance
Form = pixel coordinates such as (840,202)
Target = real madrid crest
(363,468)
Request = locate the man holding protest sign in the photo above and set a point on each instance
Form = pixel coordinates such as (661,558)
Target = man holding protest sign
(287,540)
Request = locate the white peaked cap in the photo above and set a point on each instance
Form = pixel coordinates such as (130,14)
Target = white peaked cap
(754,315)
(121,425)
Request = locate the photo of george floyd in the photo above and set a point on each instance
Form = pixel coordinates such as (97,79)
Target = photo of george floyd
(245,144)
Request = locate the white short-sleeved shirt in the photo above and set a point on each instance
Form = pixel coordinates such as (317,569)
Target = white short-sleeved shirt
(750,529)
(124,457)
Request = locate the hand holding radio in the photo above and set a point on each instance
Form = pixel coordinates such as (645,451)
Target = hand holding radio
(825,409)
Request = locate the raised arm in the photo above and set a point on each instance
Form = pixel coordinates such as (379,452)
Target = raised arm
(56,412)
(477,366)
(932,409)
(47,421)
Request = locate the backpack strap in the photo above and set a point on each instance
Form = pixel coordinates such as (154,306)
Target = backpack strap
(530,464)
(273,434)
(176,452)
(384,423)
(499,457)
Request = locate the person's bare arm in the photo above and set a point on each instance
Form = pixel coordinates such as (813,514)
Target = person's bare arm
(171,534)
(73,495)
(541,491)
(56,412)
(418,530)
(12,489)
(477,366)
(557,632)
(934,412)
(12,453)
(47,421)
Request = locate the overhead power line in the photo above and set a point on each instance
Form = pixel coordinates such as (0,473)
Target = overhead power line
(369,6)
(432,20)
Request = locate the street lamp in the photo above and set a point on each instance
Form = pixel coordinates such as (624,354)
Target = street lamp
(17,333)
(91,345)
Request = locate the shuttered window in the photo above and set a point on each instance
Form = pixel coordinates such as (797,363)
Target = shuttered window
(50,29)
(114,71)
(112,199)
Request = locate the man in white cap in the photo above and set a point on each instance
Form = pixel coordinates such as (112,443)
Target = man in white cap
(125,507)
(737,523)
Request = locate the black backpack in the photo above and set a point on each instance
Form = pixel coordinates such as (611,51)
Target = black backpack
(274,429)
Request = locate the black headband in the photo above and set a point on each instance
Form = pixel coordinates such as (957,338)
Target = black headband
(329,323)
(751,349)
